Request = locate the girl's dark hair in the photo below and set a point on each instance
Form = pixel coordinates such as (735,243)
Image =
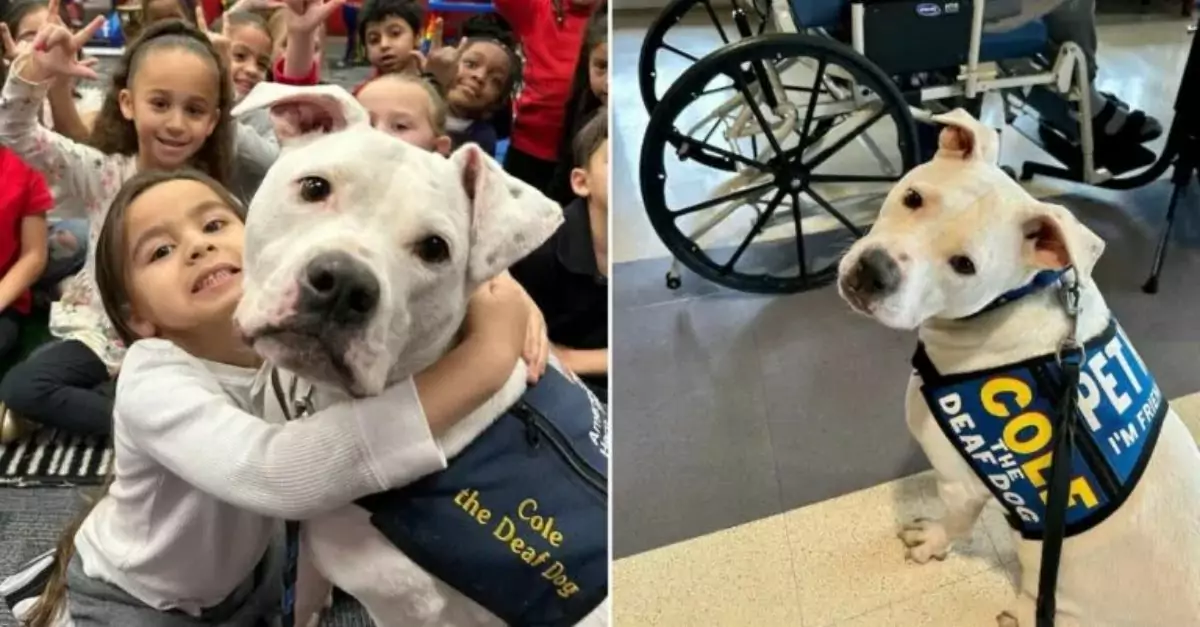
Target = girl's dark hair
(581,104)
(111,244)
(376,11)
(113,134)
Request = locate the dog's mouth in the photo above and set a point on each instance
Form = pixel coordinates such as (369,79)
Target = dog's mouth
(310,351)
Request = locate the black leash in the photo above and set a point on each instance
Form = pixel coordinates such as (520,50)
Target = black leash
(299,409)
(1070,358)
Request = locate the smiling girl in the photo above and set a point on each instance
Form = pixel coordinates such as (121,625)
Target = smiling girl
(168,107)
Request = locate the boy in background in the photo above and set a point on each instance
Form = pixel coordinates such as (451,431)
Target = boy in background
(568,275)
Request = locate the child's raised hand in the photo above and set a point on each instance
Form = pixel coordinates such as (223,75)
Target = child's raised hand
(305,16)
(442,61)
(56,52)
(220,40)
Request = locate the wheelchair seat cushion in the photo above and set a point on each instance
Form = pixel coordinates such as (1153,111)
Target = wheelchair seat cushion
(1025,41)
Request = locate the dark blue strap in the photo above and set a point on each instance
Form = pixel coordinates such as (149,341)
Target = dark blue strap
(290,571)
(1040,281)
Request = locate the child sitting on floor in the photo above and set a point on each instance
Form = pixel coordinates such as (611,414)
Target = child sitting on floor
(567,277)
(70,111)
(167,107)
(388,30)
(589,92)
(24,201)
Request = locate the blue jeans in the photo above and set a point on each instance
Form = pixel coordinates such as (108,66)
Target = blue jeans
(68,251)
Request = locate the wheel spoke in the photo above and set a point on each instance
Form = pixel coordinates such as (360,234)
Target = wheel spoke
(796,218)
(812,105)
(852,178)
(715,90)
(713,202)
(720,152)
(716,21)
(758,115)
(852,227)
(669,47)
(845,139)
(758,227)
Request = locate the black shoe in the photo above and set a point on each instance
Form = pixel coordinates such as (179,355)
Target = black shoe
(1138,126)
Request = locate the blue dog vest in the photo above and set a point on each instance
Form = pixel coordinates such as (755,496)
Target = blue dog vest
(518,521)
(1003,421)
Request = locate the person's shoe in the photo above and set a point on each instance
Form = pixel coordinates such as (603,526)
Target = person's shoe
(13,428)
(1133,125)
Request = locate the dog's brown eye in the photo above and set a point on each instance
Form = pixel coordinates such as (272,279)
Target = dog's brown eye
(963,265)
(912,199)
(314,189)
(433,249)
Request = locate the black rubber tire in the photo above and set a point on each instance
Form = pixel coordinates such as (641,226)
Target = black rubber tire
(662,127)
(656,35)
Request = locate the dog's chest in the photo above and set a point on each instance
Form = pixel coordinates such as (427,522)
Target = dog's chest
(1003,422)
(518,521)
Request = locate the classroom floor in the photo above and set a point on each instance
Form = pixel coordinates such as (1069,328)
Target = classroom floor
(761,463)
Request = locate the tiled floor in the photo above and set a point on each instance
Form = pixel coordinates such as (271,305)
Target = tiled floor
(835,563)
(762,463)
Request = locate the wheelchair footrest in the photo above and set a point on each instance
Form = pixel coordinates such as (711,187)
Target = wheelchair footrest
(1070,153)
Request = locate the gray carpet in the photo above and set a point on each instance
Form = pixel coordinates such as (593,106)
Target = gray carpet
(31,519)
(735,407)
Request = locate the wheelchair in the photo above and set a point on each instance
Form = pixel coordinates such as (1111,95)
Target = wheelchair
(748,169)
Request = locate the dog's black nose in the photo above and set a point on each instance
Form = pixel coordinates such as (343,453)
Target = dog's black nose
(339,288)
(876,274)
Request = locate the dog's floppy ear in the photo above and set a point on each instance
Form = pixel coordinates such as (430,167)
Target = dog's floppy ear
(301,112)
(964,137)
(509,218)
(1055,239)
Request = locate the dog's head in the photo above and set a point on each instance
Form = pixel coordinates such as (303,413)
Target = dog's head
(956,233)
(362,251)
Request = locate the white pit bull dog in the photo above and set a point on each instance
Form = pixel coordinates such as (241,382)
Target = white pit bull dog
(361,253)
(964,255)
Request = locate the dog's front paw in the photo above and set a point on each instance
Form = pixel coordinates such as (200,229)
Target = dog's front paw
(1006,619)
(926,539)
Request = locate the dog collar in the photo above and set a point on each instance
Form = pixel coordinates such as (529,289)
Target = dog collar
(1040,281)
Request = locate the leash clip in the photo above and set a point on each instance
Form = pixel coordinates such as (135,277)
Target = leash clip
(1070,346)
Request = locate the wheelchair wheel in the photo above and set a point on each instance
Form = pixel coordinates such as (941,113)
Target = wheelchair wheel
(774,201)
(661,61)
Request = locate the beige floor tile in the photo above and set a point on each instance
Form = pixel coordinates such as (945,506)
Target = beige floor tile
(850,561)
(1188,408)
(972,602)
(736,577)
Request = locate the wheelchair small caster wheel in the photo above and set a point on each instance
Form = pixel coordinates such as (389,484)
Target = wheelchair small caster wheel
(673,281)
(1151,285)
(1012,174)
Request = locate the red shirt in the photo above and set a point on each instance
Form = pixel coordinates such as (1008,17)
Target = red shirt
(313,77)
(551,52)
(24,193)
